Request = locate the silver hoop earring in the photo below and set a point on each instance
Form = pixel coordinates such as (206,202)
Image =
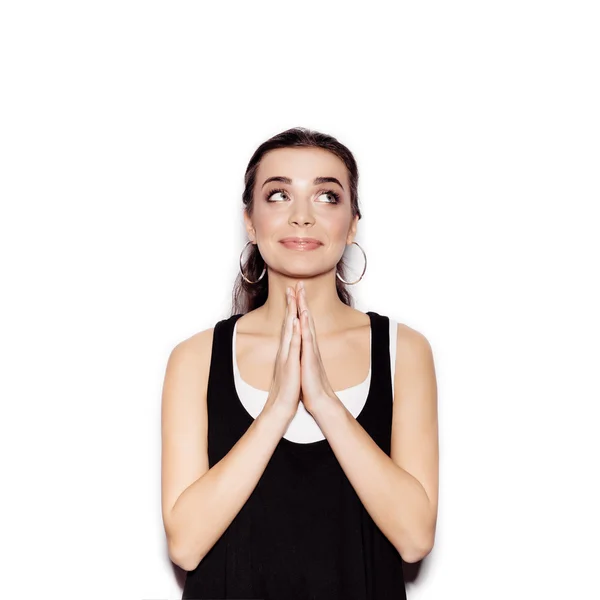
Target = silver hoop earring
(363,272)
(241,268)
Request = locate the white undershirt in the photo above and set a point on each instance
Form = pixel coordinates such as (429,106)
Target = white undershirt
(303,428)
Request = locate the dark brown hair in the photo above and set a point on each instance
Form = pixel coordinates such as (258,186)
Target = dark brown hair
(246,296)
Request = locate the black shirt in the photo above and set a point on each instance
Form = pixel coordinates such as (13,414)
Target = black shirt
(303,533)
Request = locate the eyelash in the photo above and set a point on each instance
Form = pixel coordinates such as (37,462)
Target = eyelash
(282,191)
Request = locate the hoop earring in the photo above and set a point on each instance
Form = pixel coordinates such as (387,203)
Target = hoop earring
(241,269)
(363,272)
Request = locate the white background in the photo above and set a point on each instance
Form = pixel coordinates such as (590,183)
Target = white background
(125,130)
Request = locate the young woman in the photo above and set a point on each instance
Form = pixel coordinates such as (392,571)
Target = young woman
(300,435)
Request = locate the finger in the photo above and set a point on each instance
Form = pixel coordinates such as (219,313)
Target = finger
(282,333)
(297,332)
(295,309)
(298,307)
(301,296)
(295,344)
(303,305)
(306,331)
(310,325)
(295,299)
(288,329)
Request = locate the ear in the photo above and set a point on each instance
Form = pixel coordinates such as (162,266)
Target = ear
(352,231)
(249,227)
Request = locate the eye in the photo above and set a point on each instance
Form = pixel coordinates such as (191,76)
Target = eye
(334,195)
(273,192)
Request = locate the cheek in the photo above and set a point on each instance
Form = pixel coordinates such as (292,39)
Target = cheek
(338,228)
(268,222)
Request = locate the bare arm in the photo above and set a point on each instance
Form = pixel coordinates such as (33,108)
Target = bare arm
(399,491)
(199,503)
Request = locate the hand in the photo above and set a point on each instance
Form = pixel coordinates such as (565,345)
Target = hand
(284,394)
(315,385)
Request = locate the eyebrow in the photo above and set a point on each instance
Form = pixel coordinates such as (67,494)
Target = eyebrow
(316,181)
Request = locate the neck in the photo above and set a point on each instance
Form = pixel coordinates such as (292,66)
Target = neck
(329,313)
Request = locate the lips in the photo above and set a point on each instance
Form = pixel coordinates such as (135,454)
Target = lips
(300,243)
(301,240)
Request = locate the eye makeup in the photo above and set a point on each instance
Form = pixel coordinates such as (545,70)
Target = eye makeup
(333,193)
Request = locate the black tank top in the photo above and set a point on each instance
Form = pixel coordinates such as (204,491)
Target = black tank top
(303,533)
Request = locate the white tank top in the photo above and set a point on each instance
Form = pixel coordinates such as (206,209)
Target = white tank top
(303,428)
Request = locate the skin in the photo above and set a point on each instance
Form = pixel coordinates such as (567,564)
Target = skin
(400,491)
(306,211)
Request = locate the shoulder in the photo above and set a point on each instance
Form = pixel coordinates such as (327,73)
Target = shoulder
(200,343)
(197,343)
(192,351)
(198,346)
(411,347)
(410,340)
(414,354)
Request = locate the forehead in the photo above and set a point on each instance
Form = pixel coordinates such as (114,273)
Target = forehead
(302,165)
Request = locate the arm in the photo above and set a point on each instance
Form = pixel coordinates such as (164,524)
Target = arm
(198,503)
(399,492)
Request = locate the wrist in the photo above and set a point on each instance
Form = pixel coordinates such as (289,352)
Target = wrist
(275,417)
(328,407)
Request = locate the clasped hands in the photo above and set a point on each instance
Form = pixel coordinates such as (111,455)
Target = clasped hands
(315,386)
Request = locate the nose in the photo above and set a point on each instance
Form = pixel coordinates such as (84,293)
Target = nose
(301,215)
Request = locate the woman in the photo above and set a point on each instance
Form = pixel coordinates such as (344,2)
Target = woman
(321,486)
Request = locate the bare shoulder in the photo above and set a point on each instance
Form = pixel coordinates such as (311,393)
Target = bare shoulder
(414,359)
(414,371)
(187,368)
(197,345)
(410,340)
(186,375)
